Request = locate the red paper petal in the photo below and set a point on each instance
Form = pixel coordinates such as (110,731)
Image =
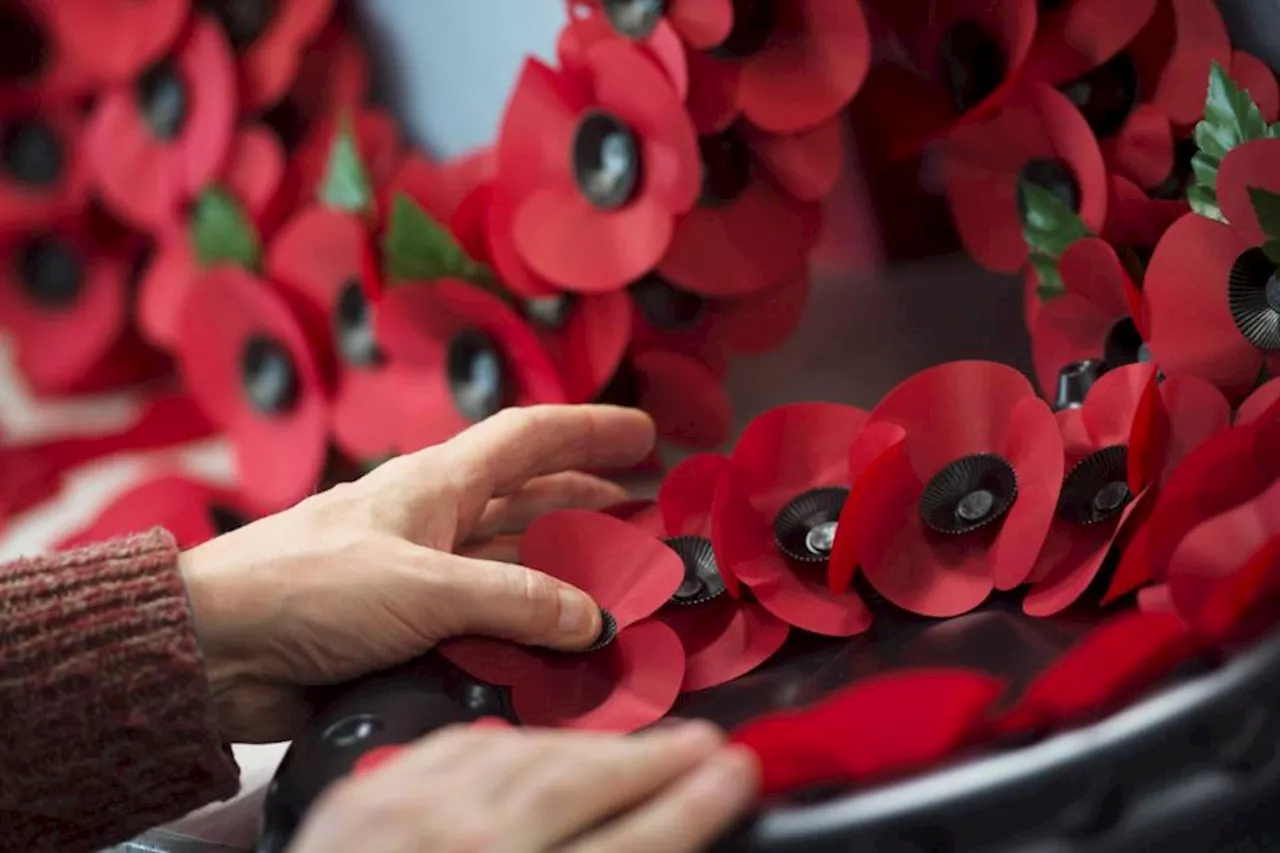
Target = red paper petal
(255,171)
(624,687)
(440,188)
(813,65)
(537,131)
(742,537)
(713,91)
(1259,402)
(178,504)
(163,289)
(1149,436)
(879,447)
(764,320)
(1175,52)
(1067,330)
(1134,568)
(1248,165)
(28,206)
(1143,149)
(163,423)
(702,23)
(627,573)
(685,399)
(643,514)
(1197,412)
(499,227)
(723,639)
(804,599)
(590,347)
(662,47)
(1133,219)
(687,491)
(1082,35)
(806,164)
(145,180)
(495,661)
(116,39)
(1253,75)
(270,64)
(1186,290)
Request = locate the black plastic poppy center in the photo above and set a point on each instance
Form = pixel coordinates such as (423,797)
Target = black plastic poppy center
(549,312)
(666,307)
(31,153)
(805,529)
(51,271)
(164,100)
(244,21)
(753,25)
(1253,294)
(353,327)
(23,46)
(269,376)
(224,519)
(1074,382)
(477,373)
(1097,488)
(608,631)
(607,164)
(624,389)
(1124,345)
(973,64)
(726,167)
(969,494)
(634,19)
(1106,95)
(702,581)
(1052,176)
(1050,5)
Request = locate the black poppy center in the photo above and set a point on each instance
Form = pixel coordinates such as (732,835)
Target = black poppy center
(702,581)
(1074,382)
(1097,487)
(1253,294)
(1124,345)
(973,64)
(477,375)
(624,389)
(353,327)
(666,307)
(726,167)
(805,529)
(269,376)
(31,153)
(1174,187)
(969,494)
(608,631)
(753,26)
(244,21)
(163,99)
(23,46)
(224,519)
(51,271)
(550,312)
(1106,95)
(606,160)
(1050,5)
(1055,178)
(634,19)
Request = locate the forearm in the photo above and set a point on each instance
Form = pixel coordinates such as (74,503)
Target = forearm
(106,722)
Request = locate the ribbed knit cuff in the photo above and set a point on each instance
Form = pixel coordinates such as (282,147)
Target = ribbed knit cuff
(106,722)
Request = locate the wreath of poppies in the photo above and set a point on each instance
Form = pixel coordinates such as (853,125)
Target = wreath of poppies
(199,202)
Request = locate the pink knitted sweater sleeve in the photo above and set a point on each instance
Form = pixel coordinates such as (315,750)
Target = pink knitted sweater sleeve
(106,722)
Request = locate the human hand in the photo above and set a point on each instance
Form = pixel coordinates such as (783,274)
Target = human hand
(493,790)
(364,576)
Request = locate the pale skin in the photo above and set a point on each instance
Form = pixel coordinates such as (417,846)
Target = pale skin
(374,573)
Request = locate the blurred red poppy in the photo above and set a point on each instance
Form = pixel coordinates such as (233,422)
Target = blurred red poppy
(117,39)
(269,39)
(377,140)
(962,500)
(881,727)
(1136,220)
(460,355)
(587,336)
(1258,404)
(1077,36)
(333,77)
(40,64)
(682,395)
(632,675)
(43,173)
(245,359)
(1174,51)
(1038,137)
(442,188)
(155,142)
(588,26)
(192,510)
(593,168)
(1212,294)
(775,514)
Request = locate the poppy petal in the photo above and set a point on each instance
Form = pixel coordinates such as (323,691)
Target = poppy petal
(1253,75)
(1034,449)
(713,92)
(1081,35)
(1133,219)
(702,23)
(255,170)
(1248,165)
(723,639)
(1143,149)
(494,661)
(270,64)
(1217,596)
(183,506)
(1259,402)
(1067,330)
(684,398)
(742,537)
(762,321)
(31,194)
(440,188)
(806,164)
(807,602)
(1197,412)
(1175,51)
(687,491)
(879,446)
(590,347)
(117,40)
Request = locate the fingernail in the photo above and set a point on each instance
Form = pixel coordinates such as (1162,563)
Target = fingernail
(579,616)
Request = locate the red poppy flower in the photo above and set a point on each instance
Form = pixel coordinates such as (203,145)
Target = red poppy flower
(944,64)
(193,511)
(774,518)
(1212,296)
(442,188)
(1100,317)
(40,64)
(255,176)
(1110,666)
(378,142)
(586,335)
(632,675)
(43,174)
(1136,220)
(28,481)
(1255,77)
(1078,36)
(117,39)
(1259,404)
(154,143)
(724,637)
(597,164)
(682,395)
(1038,137)
(588,26)
(1115,451)
(961,502)
(333,77)
(703,24)
(245,359)
(1175,51)
(461,354)
(885,726)
(319,254)
(268,39)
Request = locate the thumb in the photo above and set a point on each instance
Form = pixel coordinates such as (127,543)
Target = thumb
(491,599)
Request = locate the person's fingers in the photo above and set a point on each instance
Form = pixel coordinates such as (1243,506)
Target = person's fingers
(511,602)
(504,549)
(686,817)
(564,490)
(587,780)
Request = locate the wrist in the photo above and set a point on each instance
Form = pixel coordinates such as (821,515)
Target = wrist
(223,648)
